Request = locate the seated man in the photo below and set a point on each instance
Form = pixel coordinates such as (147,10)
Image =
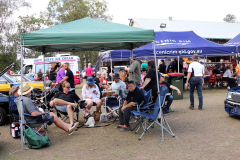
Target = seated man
(116,86)
(30,108)
(169,98)
(134,96)
(64,101)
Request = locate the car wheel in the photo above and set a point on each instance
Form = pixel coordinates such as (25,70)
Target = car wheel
(3,116)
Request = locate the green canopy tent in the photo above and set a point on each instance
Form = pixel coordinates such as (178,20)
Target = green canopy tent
(86,34)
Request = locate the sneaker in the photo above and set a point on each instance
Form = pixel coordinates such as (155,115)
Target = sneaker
(228,87)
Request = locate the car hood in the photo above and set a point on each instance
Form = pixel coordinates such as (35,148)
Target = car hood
(235,89)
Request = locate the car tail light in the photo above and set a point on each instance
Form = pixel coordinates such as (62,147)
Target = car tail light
(77,72)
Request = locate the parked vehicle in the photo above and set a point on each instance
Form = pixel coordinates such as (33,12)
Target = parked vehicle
(36,64)
(8,81)
(232,102)
(4,104)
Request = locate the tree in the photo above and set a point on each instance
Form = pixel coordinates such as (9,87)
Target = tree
(9,40)
(230,18)
(63,11)
(29,24)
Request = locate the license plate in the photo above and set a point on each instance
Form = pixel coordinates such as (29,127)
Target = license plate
(237,110)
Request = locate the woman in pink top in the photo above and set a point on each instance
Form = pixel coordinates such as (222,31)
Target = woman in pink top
(89,70)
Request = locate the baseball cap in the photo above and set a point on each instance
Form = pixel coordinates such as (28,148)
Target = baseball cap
(99,72)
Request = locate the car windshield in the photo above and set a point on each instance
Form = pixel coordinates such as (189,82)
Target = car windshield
(9,78)
(18,78)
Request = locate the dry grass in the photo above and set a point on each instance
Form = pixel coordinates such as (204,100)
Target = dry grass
(206,134)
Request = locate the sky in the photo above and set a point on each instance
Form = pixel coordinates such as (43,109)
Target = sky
(122,10)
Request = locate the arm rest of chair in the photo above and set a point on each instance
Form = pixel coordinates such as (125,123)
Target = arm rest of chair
(29,115)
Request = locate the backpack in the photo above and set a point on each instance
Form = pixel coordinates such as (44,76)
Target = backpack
(35,141)
(15,130)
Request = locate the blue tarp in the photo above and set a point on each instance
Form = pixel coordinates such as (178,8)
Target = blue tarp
(234,42)
(173,44)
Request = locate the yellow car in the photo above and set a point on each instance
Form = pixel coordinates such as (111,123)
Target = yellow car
(6,81)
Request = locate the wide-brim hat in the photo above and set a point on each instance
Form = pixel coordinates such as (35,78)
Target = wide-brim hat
(116,75)
(90,80)
(26,89)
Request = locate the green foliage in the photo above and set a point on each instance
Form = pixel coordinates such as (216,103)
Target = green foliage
(58,11)
(63,11)
(230,18)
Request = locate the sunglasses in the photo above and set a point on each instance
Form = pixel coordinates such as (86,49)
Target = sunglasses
(68,87)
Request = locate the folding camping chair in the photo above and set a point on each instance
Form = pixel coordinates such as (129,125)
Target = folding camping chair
(146,118)
(112,104)
(32,121)
(13,112)
(212,80)
(145,106)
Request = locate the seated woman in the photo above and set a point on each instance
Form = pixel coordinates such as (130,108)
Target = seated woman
(90,93)
(227,76)
(13,106)
(103,80)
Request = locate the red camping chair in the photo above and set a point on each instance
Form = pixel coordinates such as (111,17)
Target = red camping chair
(212,80)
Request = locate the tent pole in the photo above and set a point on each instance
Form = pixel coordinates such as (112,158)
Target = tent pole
(111,69)
(45,74)
(22,115)
(133,68)
(161,113)
(178,64)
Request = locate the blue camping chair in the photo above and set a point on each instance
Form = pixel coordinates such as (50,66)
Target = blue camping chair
(32,121)
(13,111)
(112,104)
(146,106)
(153,116)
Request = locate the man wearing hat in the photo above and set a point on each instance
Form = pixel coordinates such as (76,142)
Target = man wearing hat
(169,98)
(30,108)
(196,78)
(117,85)
(134,71)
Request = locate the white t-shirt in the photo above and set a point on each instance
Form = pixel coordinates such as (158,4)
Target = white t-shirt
(197,67)
(90,93)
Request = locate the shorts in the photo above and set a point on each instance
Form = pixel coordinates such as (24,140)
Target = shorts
(238,80)
(63,108)
(49,118)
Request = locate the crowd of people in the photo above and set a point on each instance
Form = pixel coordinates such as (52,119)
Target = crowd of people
(139,76)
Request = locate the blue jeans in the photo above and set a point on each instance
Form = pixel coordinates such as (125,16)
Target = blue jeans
(196,82)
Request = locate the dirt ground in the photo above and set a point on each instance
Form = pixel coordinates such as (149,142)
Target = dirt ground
(207,134)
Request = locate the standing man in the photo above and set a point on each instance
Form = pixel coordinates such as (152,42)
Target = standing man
(195,77)
(134,71)
(173,66)
(69,76)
